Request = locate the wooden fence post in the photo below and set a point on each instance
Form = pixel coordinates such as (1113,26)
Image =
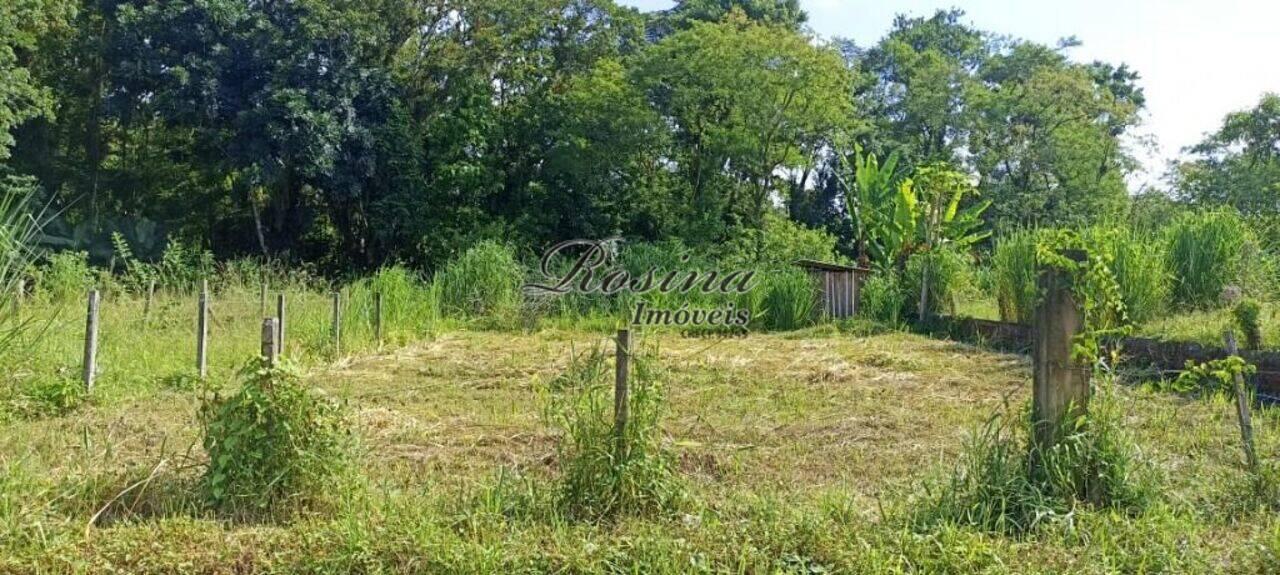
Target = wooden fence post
(146,307)
(337,322)
(377,316)
(262,300)
(621,409)
(18,297)
(91,342)
(280,323)
(270,346)
(1061,385)
(1242,408)
(202,330)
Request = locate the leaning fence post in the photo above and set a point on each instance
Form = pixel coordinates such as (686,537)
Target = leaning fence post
(270,346)
(202,330)
(621,411)
(337,322)
(91,342)
(377,316)
(1061,385)
(1242,407)
(280,323)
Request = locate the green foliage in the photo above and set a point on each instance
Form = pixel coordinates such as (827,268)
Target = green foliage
(484,280)
(276,445)
(1138,263)
(1013,267)
(779,243)
(66,276)
(1093,286)
(949,273)
(1005,483)
(181,267)
(873,198)
(1214,377)
(604,475)
(50,396)
(790,300)
(1247,314)
(410,308)
(883,298)
(1206,253)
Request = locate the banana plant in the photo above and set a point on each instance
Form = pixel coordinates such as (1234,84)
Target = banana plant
(874,197)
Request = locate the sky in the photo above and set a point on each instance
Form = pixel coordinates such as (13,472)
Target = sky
(1199,59)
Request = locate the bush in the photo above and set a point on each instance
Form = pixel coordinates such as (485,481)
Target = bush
(1013,271)
(950,273)
(182,267)
(604,475)
(881,298)
(1207,251)
(66,276)
(275,445)
(790,300)
(484,280)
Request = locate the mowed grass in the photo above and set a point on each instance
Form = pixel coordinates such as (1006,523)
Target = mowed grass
(799,451)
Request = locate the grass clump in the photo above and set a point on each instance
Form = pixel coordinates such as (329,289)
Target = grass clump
(1005,483)
(275,445)
(949,273)
(882,299)
(484,280)
(1013,271)
(790,300)
(1206,252)
(1248,315)
(603,474)
(1137,263)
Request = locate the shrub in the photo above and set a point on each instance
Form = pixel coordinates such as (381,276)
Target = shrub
(1206,252)
(1013,270)
(484,280)
(274,445)
(66,276)
(604,475)
(949,273)
(790,300)
(181,267)
(1247,314)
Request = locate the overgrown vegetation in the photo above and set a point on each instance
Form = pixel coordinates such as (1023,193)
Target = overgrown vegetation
(275,447)
(604,473)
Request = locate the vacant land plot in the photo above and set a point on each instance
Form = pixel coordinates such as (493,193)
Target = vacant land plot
(799,453)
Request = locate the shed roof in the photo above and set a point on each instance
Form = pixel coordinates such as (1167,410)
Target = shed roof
(824,266)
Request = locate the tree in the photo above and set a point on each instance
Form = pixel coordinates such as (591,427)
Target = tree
(22,24)
(1239,165)
(748,102)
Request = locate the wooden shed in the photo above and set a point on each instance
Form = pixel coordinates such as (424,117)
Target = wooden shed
(837,286)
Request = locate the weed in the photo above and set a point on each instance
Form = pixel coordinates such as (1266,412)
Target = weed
(484,280)
(604,475)
(790,300)
(274,446)
(882,298)
(1206,253)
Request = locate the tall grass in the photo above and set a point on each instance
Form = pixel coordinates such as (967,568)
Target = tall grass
(1138,264)
(604,475)
(18,229)
(790,300)
(410,307)
(882,298)
(949,273)
(1005,483)
(1013,271)
(1206,252)
(484,280)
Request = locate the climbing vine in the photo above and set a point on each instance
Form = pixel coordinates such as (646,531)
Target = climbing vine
(1094,285)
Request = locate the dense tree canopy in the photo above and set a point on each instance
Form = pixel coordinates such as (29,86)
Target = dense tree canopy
(351,134)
